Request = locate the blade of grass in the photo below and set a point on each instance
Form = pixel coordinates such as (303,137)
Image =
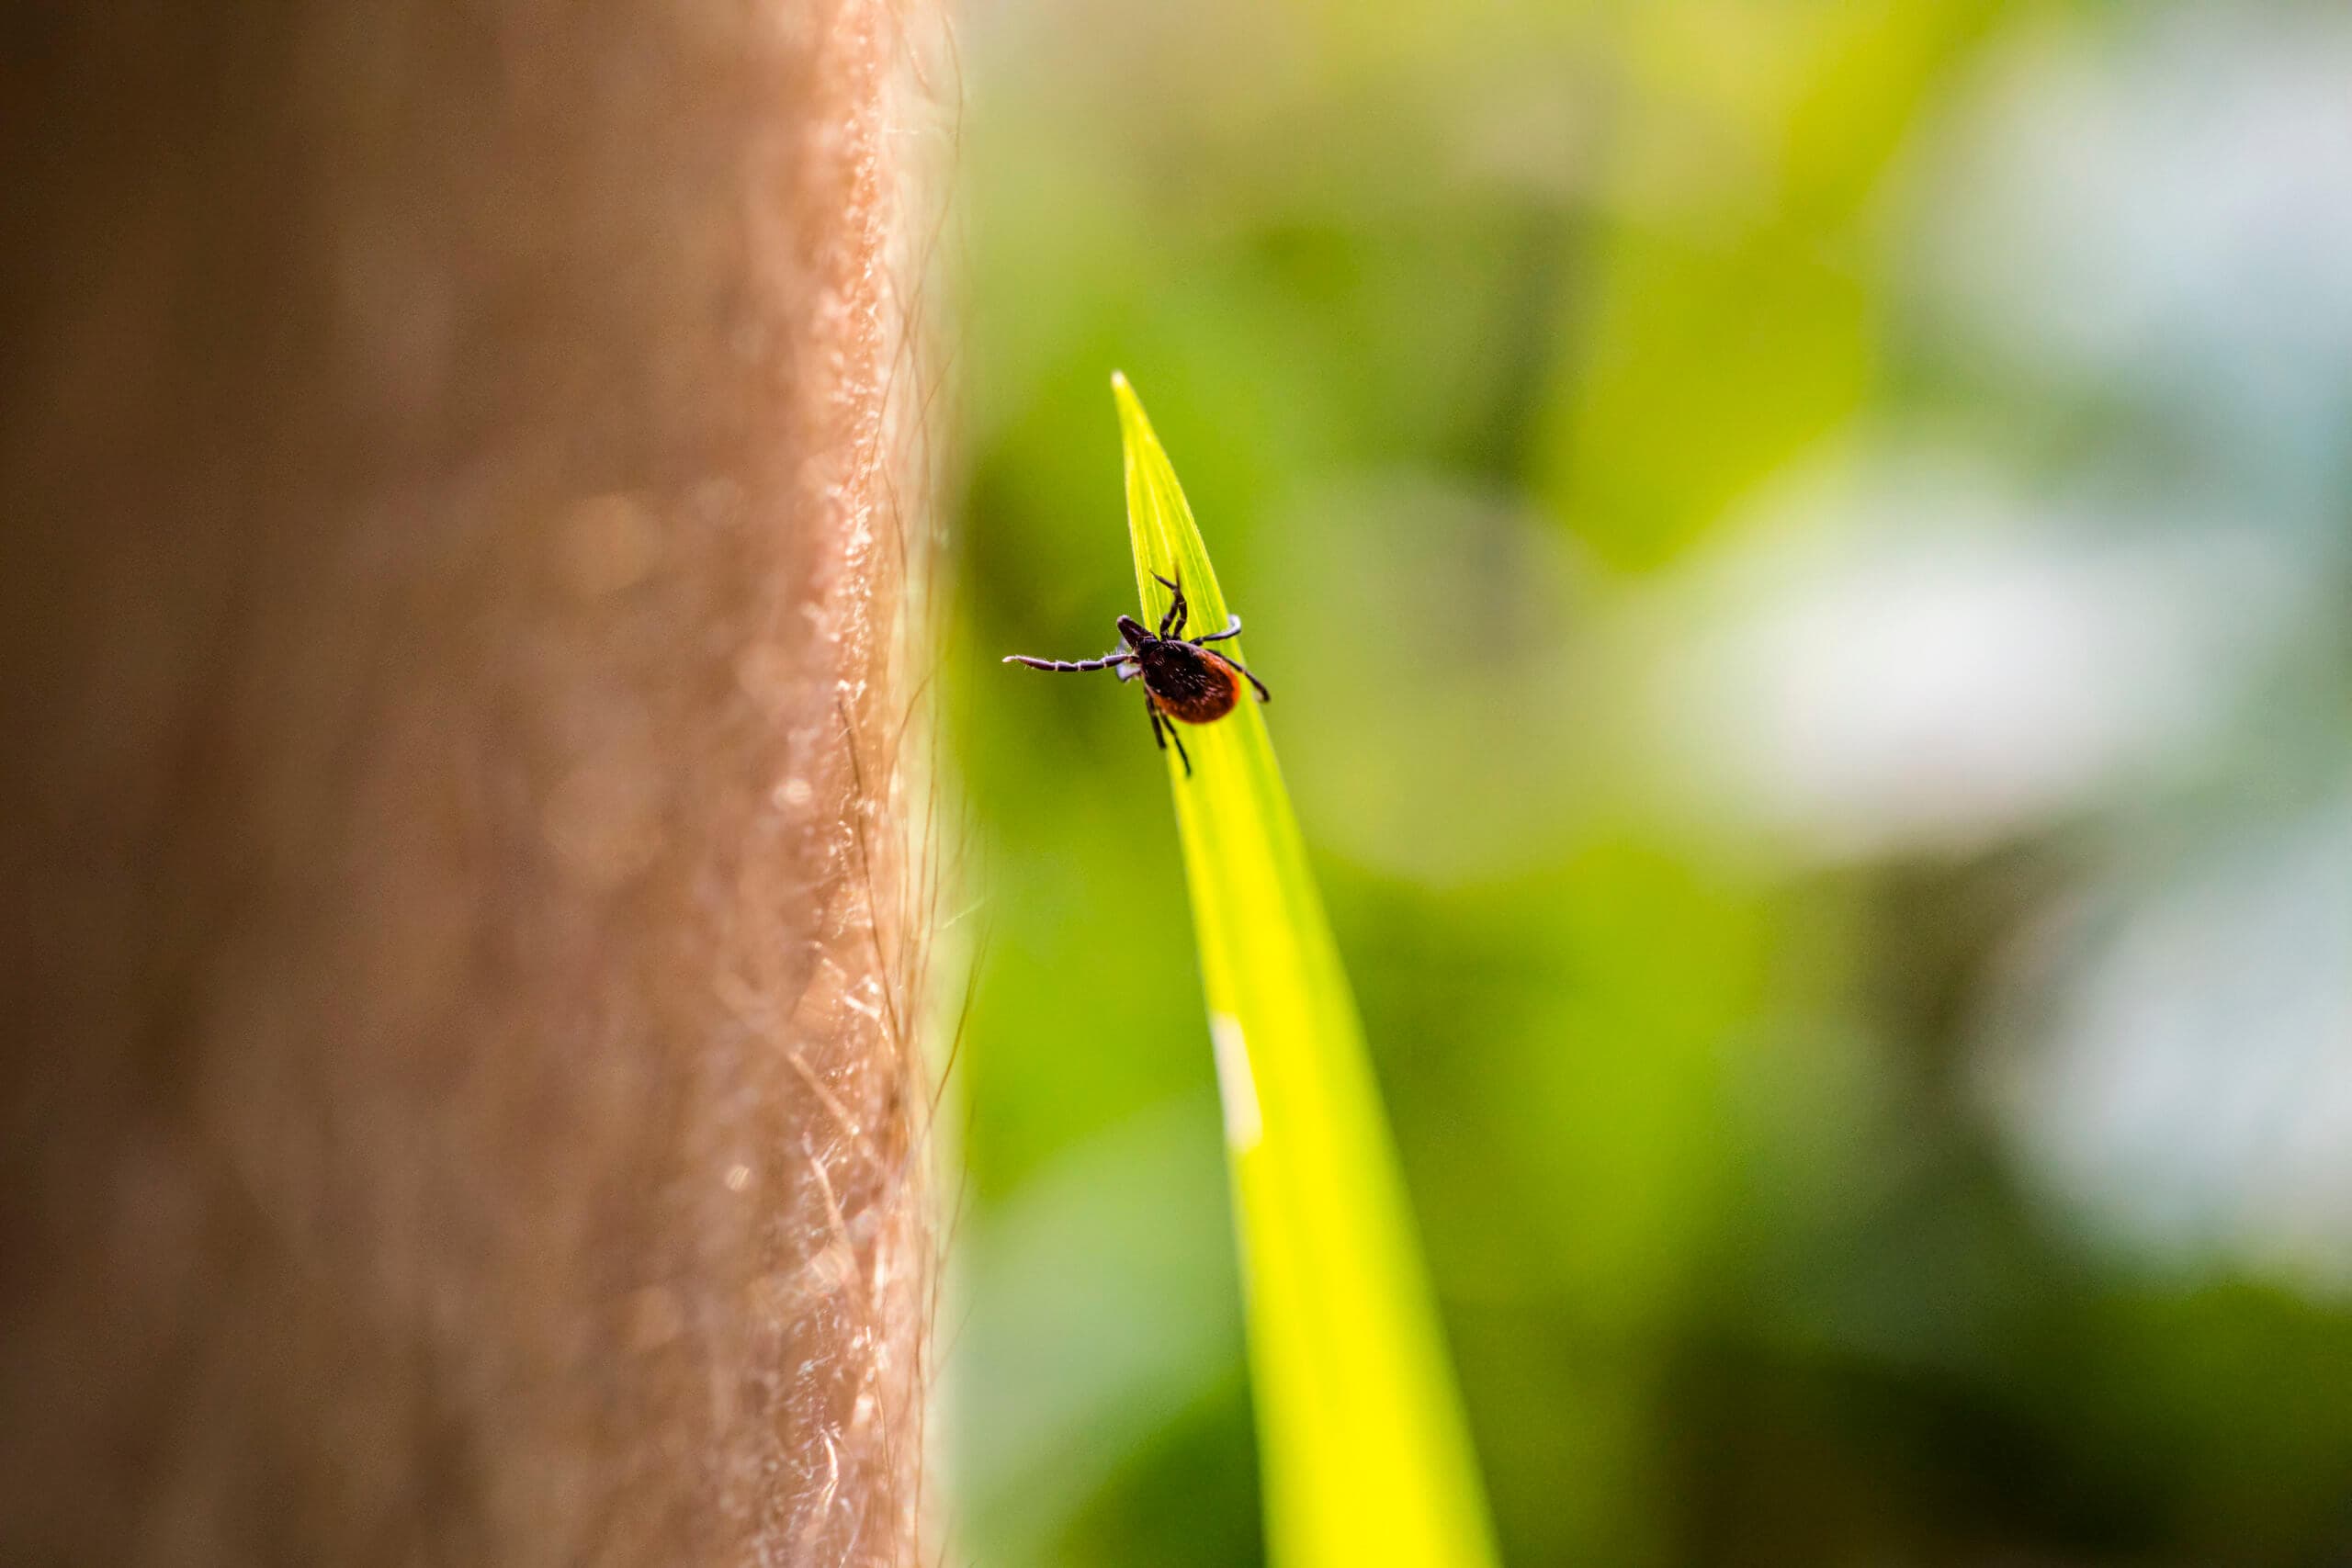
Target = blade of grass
(1365,1456)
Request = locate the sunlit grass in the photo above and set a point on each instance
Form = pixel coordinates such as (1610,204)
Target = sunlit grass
(1366,1458)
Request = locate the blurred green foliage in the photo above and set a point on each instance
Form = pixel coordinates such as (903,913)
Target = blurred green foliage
(1800,622)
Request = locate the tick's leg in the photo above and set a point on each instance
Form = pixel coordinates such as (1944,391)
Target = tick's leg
(1263,695)
(1172,623)
(1232,628)
(1129,670)
(1163,730)
(1108,662)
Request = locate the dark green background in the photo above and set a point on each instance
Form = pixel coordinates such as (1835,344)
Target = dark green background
(1799,549)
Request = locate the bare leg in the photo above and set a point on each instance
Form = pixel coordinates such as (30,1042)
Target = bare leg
(449,1085)
(1172,623)
(1108,662)
(1232,628)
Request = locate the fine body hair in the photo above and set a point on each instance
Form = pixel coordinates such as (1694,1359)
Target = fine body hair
(459,466)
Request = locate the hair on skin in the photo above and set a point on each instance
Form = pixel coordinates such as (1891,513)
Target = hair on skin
(466,486)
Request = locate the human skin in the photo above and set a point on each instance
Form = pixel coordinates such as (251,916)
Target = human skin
(463,927)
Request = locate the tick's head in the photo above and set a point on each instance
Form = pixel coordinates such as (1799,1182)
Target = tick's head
(1136,632)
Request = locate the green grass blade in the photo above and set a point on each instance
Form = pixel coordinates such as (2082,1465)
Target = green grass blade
(1366,1455)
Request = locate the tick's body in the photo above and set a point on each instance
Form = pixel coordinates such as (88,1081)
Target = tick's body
(1185,679)
(1182,680)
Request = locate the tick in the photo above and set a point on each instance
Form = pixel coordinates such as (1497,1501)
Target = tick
(1182,679)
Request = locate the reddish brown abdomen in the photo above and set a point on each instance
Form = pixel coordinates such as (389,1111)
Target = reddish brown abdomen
(1192,685)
